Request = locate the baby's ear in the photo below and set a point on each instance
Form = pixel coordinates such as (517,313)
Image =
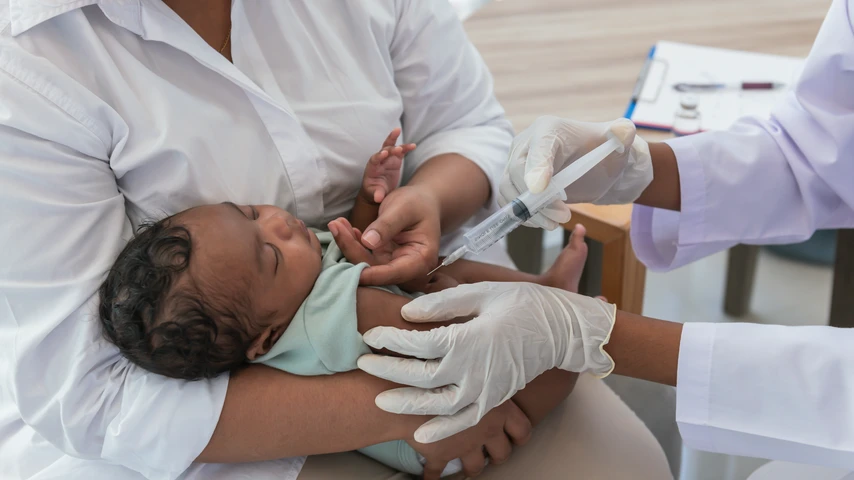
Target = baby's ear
(264,342)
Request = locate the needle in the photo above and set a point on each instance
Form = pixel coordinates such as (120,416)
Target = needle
(434,270)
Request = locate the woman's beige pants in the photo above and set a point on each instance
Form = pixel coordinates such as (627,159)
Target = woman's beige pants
(592,435)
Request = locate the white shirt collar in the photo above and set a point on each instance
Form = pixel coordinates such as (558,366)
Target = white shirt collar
(23,15)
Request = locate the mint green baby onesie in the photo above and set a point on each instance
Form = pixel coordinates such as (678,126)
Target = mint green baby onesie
(323,339)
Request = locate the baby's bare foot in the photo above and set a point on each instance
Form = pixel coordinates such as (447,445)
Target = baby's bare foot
(565,273)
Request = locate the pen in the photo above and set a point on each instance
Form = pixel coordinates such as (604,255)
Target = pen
(708,87)
(642,77)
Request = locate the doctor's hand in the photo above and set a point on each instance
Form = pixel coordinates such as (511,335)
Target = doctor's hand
(520,331)
(552,143)
(409,221)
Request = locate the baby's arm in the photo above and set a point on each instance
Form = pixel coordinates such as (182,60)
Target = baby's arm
(380,308)
(382,175)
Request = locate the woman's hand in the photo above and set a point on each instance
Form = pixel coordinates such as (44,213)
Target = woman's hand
(349,240)
(520,331)
(494,435)
(552,143)
(409,219)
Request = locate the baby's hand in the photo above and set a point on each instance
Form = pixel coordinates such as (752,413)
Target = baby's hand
(382,174)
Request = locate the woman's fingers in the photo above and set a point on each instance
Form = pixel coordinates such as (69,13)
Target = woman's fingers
(517,425)
(499,449)
(473,462)
(397,271)
(433,470)
(349,244)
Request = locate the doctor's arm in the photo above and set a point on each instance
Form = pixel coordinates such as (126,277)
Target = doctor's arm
(762,181)
(767,391)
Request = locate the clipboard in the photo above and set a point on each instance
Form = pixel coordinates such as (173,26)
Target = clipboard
(654,102)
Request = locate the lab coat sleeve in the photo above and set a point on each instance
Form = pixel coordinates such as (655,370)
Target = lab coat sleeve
(448,101)
(63,224)
(768,391)
(766,181)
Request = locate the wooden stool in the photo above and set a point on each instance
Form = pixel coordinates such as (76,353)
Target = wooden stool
(612,270)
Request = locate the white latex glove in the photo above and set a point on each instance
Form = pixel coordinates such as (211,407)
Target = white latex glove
(521,330)
(551,143)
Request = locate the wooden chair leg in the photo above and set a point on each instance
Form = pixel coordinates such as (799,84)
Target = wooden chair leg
(741,271)
(623,276)
(525,246)
(842,301)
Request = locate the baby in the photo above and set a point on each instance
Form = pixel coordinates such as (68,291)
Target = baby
(214,287)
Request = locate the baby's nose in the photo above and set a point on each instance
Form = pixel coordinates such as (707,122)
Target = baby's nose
(278,226)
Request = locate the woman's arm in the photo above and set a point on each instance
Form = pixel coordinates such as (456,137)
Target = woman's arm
(271,414)
(459,186)
(450,112)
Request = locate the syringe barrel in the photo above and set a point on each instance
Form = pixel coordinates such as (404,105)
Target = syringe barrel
(509,217)
(496,226)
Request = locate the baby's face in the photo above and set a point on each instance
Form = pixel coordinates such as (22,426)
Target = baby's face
(258,252)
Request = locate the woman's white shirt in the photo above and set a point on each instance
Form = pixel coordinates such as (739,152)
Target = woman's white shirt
(113,112)
(758,390)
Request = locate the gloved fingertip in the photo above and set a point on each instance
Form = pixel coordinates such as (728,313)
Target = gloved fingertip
(387,402)
(624,130)
(365,362)
(373,337)
(411,311)
(537,179)
(425,434)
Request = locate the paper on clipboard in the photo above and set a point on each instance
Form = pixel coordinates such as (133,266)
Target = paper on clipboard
(655,101)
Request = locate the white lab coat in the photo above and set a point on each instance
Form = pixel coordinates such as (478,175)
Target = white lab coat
(758,390)
(116,111)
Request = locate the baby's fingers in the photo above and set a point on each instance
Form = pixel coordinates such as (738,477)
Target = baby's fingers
(391,139)
(378,157)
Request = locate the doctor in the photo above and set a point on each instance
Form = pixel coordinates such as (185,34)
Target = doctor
(766,391)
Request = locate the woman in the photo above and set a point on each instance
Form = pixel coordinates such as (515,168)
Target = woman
(119,111)
(757,390)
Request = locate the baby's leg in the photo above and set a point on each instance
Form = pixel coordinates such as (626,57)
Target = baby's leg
(565,273)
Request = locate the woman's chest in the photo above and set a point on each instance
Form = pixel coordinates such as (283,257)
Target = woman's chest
(291,124)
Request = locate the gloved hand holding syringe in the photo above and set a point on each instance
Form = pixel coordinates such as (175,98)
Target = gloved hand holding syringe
(516,212)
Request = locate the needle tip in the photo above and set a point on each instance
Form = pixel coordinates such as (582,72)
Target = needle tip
(434,270)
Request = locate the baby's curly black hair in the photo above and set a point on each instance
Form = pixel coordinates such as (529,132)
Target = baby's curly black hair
(159,317)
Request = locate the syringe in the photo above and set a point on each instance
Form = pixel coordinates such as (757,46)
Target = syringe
(523,207)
